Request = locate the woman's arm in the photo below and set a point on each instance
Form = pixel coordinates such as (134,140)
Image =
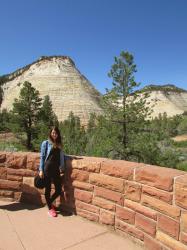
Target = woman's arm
(42,155)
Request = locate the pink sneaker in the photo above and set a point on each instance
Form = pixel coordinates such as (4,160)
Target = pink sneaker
(52,213)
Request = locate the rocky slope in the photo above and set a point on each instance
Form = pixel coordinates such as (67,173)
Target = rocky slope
(58,77)
(167,98)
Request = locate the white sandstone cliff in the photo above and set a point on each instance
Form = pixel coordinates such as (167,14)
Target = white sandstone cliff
(57,77)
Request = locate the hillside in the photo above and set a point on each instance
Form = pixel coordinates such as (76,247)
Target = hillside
(167,98)
(58,77)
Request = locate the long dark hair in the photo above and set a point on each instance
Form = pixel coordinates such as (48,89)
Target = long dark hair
(58,141)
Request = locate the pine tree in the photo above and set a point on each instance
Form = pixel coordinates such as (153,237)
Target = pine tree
(4,120)
(74,138)
(47,115)
(26,112)
(47,119)
(126,108)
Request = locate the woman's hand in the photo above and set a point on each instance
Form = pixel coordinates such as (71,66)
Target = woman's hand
(41,174)
(61,173)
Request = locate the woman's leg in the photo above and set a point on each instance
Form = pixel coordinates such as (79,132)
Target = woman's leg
(48,191)
(58,188)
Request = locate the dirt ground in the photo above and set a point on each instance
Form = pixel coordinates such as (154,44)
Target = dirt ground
(180,138)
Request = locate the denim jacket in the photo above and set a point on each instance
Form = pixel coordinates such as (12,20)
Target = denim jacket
(44,155)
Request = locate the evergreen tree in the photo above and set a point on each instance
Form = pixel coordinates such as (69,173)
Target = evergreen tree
(1,95)
(26,112)
(126,108)
(4,121)
(101,137)
(74,138)
(46,114)
(182,126)
(47,119)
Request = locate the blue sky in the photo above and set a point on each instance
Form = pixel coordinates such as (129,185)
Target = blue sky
(92,32)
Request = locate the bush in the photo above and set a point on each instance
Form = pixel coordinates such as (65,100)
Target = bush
(182,166)
(180,144)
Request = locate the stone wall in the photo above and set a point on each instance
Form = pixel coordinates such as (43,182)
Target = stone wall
(148,203)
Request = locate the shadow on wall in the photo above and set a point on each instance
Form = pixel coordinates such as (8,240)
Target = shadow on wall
(30,195)
(65,203)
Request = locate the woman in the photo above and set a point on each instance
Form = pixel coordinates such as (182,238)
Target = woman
(52,167)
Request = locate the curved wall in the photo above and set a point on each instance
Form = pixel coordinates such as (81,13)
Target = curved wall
(147,202)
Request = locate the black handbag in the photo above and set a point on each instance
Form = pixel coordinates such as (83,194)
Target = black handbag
(39,182)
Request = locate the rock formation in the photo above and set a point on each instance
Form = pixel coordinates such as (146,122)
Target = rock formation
(58,77)
(167,99)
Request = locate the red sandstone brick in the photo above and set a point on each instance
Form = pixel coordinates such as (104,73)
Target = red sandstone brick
(161,206)
(169,226)
(145,224)
(109,195)
(105,181)
(30,181)
(100,202)
(119,168)
(141,209)
(158,177)
(6,193)
(16,160)
(10,185)
(82,195)
(3,173)
(33,161)
(132,191)
(90,164)
(14,178)
(183,238)
(106,218)
(88,207)
(88,215)
(2,157)
(131,230)
(125,214)
(184,221)
(170,242)
(79,175)
(159,194)
(20,172)
(83,185)
(151,244)
(181,191)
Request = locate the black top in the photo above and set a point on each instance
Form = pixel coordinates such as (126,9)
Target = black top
(53,162)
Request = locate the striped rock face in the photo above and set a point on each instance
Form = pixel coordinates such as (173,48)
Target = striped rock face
(58,77)
(172,103)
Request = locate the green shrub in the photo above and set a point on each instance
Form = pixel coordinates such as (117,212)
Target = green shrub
(180,144)
(182,166)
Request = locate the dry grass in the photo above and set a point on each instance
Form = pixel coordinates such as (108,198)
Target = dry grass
(8,138)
